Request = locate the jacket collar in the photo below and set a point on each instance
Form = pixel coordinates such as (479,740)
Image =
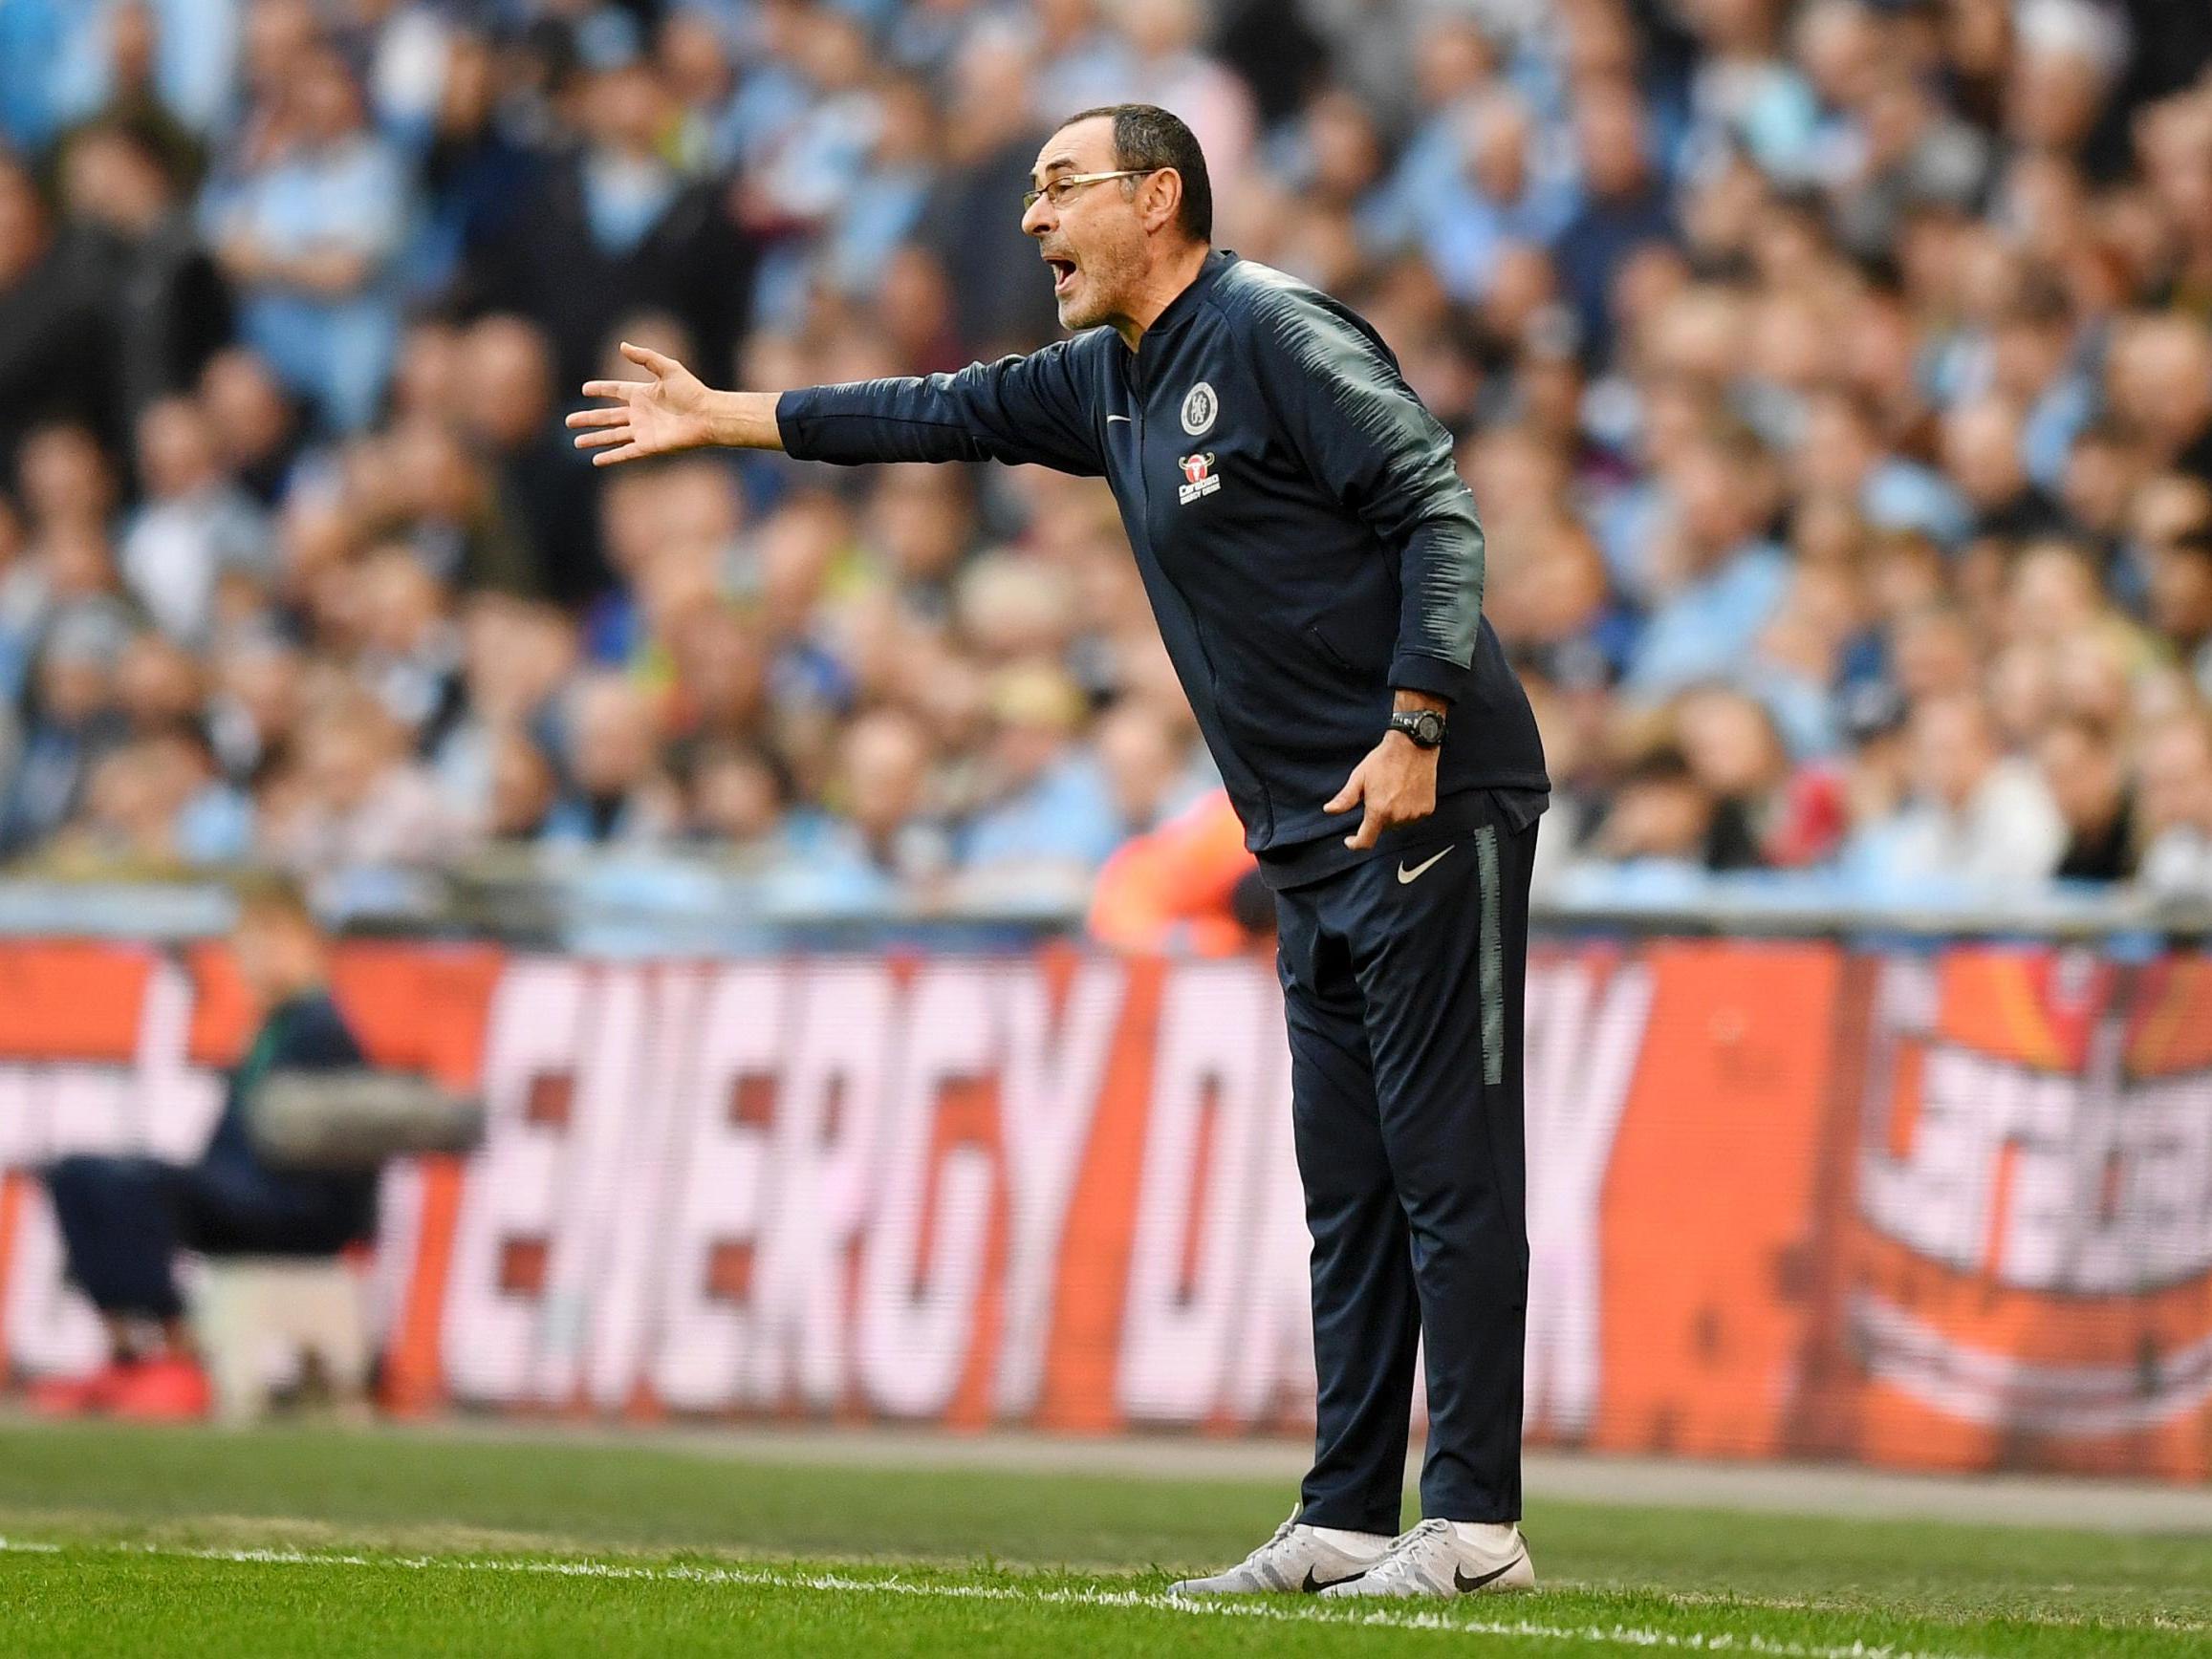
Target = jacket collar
(1183,305)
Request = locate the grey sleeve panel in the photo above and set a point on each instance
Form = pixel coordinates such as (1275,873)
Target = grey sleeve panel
(1037,409)
(1338,393)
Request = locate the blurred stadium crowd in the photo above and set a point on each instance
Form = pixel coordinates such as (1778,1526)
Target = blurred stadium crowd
(1835,379)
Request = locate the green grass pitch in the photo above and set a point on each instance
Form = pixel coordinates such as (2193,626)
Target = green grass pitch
(314,1541)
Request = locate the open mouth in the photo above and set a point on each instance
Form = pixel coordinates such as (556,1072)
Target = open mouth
(1063,273)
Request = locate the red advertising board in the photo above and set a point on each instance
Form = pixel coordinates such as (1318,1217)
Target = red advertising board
(1949,1208)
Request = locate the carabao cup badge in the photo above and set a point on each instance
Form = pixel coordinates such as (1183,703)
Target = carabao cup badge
(1200,407)
(1200,479)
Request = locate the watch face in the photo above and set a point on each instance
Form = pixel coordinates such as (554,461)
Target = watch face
(1426,727)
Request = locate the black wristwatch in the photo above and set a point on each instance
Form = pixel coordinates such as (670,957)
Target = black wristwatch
(1425,725)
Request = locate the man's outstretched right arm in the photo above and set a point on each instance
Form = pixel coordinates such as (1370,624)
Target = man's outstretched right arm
(1026,409)
(671,412)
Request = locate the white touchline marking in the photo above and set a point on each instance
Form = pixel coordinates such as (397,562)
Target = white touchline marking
(1831,1604)
(775,1579)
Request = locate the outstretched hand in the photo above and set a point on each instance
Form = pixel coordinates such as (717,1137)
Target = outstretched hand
(672,411)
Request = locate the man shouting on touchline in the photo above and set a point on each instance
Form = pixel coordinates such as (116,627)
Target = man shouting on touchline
(1316,569)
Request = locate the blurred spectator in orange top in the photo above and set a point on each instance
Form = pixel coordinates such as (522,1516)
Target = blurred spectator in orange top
(1186,886)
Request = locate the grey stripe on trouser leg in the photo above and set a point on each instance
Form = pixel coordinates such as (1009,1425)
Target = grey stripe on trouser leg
(1491,966)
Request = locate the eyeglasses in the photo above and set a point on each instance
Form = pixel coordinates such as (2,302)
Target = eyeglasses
(1067,184)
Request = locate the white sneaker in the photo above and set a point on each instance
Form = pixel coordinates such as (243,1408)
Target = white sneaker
(1296,1559)
(1432,1560)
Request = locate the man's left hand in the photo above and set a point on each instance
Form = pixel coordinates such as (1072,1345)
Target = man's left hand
(1395,783)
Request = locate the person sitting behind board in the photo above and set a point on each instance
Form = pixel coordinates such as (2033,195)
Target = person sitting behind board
(124,1218)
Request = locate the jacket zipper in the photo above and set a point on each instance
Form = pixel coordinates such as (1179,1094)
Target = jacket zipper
(1143,404)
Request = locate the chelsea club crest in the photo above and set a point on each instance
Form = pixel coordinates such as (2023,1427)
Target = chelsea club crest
(1200,407)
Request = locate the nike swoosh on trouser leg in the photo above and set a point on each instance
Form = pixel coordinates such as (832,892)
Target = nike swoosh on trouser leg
(1405,876)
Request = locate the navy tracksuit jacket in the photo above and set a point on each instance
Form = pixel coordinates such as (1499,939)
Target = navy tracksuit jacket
(1308,548)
